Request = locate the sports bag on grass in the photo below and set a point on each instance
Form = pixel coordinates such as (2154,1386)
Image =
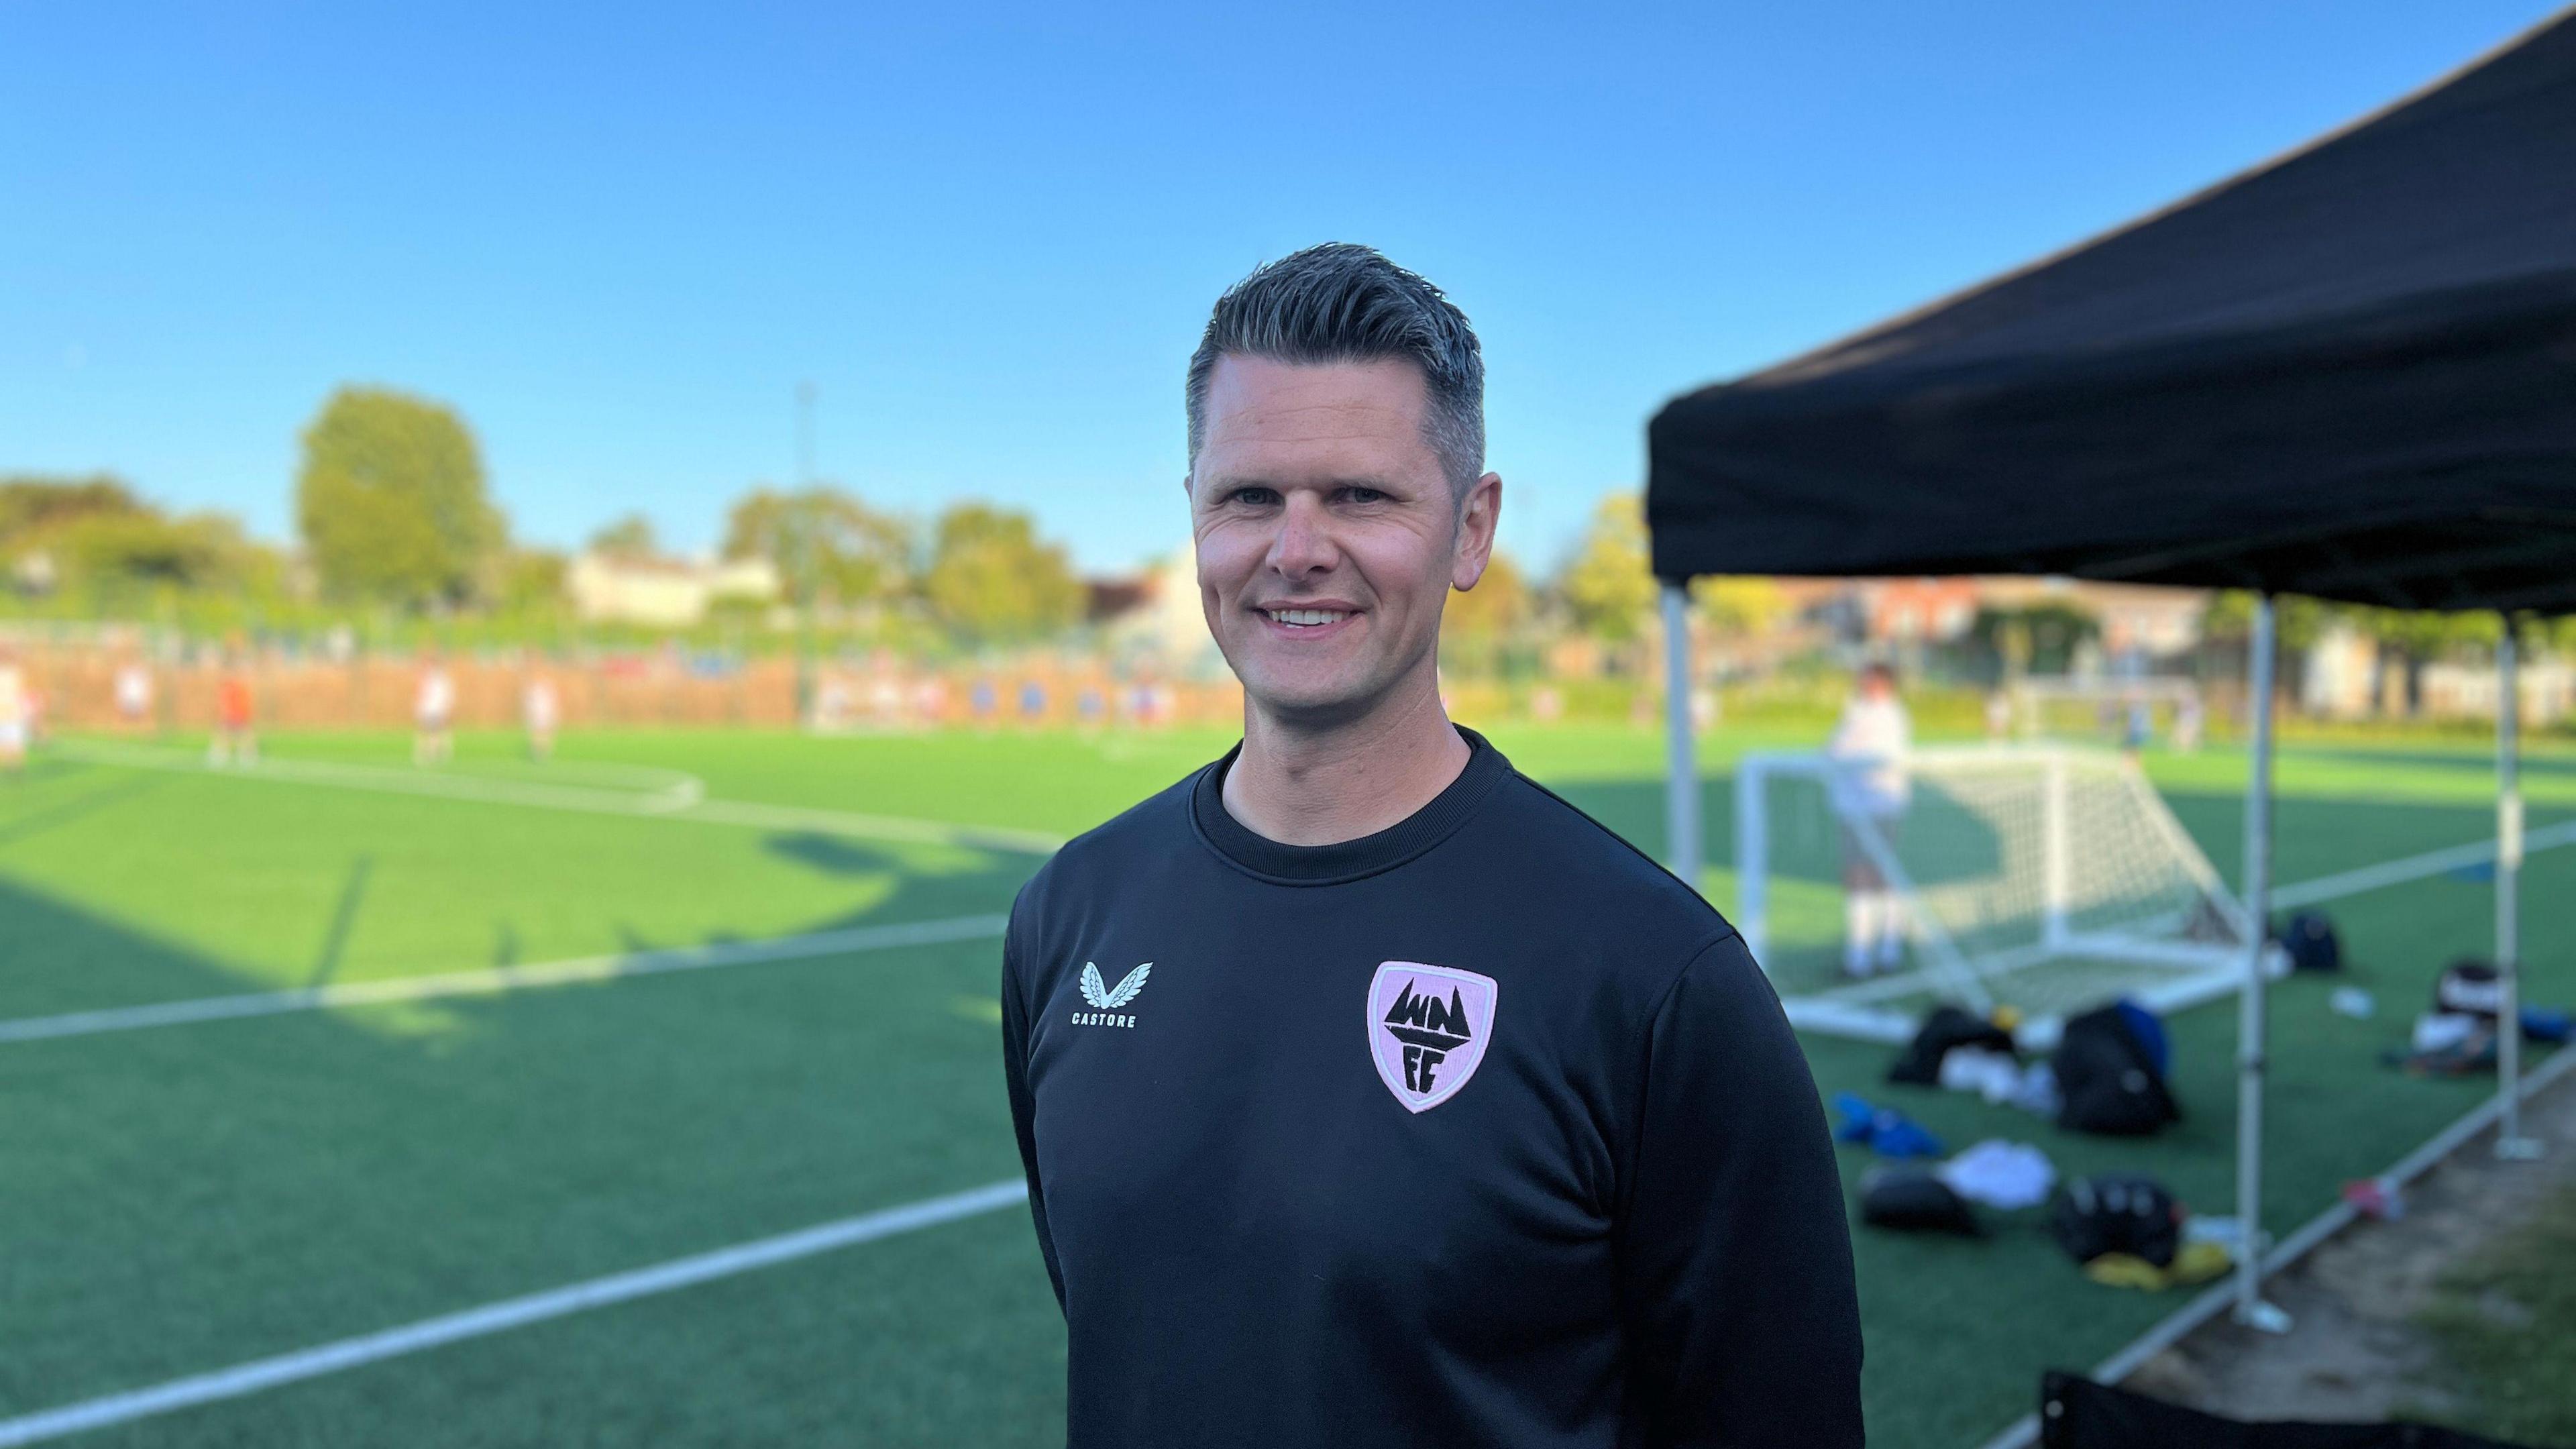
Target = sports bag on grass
(2110,1080)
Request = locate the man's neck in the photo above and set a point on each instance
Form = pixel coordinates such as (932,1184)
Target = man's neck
(1324,786)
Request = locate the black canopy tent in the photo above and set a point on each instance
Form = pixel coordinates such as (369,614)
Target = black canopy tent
(2349,373)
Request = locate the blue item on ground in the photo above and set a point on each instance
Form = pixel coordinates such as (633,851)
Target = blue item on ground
(2547,1023)
(2150,1033)
(1884,1130)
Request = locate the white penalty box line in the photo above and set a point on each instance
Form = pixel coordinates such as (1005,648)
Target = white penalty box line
(428,1333)
(498,979)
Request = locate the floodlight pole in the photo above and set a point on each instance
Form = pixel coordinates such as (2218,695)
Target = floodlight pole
(2251,1027)
(1681,784)
(2510,1145)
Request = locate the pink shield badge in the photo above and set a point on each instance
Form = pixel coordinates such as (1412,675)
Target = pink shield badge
(1428,1028)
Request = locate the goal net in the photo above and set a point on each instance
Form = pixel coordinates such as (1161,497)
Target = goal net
(2046,879)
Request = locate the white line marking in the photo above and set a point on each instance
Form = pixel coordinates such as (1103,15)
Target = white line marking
(500,978)
(2416,867)
(681,799)
(509,1313)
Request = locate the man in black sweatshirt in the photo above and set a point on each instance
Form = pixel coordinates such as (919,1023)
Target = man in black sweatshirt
(1369,1093)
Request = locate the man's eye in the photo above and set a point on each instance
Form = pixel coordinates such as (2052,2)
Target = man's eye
(1255,497)
(1363,495)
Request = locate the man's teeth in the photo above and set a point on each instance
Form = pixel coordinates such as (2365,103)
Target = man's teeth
(1308,617)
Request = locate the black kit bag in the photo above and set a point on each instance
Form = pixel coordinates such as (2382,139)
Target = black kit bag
(2108,1081)
(1914,1199)
(2114,1214)
(1946,1027)
(2310,940)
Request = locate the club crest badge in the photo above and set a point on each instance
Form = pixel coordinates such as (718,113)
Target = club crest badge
(1428,1027)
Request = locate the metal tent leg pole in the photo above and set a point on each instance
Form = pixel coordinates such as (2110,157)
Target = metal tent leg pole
(2251,1310)
(2510,1143)
(1681,784)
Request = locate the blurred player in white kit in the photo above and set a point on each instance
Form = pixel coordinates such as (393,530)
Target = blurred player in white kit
(17,713)
(1870,790)
(434,711)
(542,712)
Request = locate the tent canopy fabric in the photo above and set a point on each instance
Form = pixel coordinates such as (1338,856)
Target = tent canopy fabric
(2349,373)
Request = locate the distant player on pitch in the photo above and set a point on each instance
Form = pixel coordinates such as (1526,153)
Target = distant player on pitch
(17,712)
(542,711)
(433,712)
(1870,789)
(1371,1096)
(235,741)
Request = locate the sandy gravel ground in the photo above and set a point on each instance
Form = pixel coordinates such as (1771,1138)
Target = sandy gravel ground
(2355,1353)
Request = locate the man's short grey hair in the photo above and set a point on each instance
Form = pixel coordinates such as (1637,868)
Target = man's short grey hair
(1344,303)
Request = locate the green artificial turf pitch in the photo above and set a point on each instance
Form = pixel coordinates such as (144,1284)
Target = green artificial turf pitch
(180,1199)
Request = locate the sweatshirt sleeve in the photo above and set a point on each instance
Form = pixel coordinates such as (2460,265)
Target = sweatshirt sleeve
(1015,1077)
(1735,1257)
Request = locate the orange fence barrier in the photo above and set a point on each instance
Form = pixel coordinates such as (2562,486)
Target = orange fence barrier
(89,689)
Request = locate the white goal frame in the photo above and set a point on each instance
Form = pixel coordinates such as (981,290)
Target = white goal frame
(2185,972)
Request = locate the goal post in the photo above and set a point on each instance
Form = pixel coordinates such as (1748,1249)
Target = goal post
(2045,879)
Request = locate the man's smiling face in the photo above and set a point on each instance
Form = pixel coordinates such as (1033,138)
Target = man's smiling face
(1328,536)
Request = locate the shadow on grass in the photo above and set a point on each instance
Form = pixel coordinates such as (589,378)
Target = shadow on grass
(186,1197)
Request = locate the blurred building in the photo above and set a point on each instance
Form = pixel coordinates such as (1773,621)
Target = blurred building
(1153,620)
(668,593)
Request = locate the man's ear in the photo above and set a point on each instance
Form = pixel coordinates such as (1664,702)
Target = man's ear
(1478,513)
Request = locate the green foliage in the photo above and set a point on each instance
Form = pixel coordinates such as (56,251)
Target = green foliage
(1610,585)
(991,580)
(531,577)
(2042,638)
(827,546)
(116,550)
(2297,620)
(391,501)
(629,540)
(1487,630)
(94,543)
(1496,607)
(1745,605)
(32,505)
(2421,635)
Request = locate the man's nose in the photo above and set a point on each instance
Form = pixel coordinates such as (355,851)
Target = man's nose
(1303,547)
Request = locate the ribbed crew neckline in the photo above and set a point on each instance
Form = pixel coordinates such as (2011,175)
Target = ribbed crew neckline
(1344,860)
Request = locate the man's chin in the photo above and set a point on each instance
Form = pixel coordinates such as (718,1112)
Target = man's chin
(1311,700)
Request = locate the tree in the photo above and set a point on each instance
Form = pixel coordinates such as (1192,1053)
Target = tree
(1744,606)
(1484,630)
(827,546)
(2297,620)
(629,540)
(531,581)
(112,552)
(991,580)
(2418,637)
(1496,607)
(1610,584)
(2040,638)
(32,505)
(391,501)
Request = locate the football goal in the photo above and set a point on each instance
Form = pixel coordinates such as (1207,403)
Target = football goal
(2046,879)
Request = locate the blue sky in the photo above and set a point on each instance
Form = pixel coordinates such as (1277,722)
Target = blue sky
(616,238)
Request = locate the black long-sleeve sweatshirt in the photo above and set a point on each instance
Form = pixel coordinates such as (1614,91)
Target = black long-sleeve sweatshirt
(1481,1130)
